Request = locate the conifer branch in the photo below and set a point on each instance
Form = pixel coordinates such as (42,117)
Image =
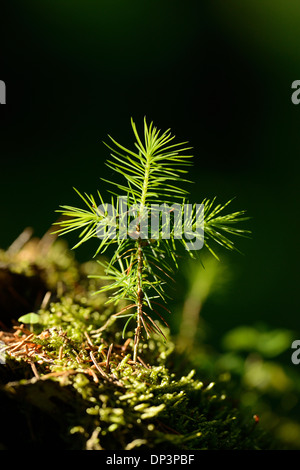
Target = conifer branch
(141,267)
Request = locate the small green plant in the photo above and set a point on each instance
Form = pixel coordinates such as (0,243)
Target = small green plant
(143,260)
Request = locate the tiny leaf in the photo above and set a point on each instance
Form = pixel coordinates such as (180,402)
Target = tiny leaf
(29,318)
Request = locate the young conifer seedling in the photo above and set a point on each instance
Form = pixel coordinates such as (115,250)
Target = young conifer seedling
(137,223)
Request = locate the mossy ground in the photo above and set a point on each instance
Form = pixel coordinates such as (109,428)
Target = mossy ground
(69,381)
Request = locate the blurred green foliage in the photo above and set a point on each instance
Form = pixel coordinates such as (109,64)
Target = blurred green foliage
(254,360)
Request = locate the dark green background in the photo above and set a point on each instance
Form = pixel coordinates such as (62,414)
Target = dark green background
(218,74)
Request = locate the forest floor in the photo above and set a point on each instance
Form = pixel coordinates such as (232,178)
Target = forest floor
(67,378)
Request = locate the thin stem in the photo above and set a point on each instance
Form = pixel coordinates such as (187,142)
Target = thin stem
(140,296)
(146,182)
(140,293)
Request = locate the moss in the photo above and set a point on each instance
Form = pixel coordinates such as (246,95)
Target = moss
(75,383)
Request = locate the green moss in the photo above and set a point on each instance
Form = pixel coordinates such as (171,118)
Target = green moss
(120,404)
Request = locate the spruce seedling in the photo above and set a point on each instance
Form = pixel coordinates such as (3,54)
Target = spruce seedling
(142,263)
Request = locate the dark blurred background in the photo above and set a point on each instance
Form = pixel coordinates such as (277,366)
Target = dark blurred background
(218,74)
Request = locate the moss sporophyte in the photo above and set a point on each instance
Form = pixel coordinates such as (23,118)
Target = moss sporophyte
(136,226)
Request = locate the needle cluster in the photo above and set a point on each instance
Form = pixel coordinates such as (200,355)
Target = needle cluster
(141,267)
